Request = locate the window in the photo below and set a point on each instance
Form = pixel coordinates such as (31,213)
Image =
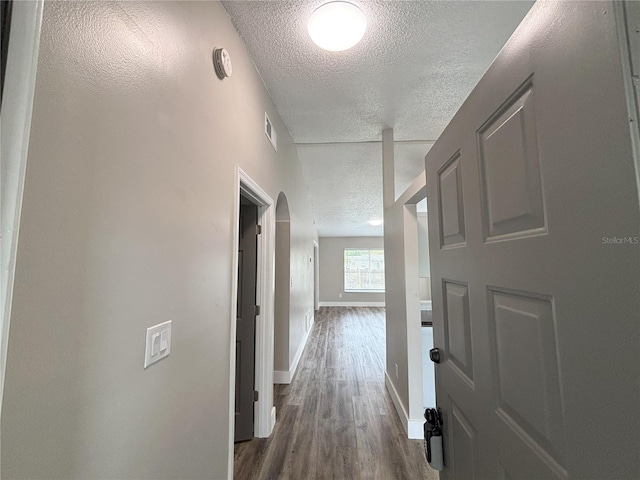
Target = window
(363,270)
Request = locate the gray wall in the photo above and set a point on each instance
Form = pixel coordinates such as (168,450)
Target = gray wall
(396,300)
(301,300)
(331,265)
(127,222)
(283,296)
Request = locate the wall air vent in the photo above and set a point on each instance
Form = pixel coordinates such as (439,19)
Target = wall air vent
(270,132)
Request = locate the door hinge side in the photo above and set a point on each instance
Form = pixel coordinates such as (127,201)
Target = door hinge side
(256,310)
(255,395)
(258,229)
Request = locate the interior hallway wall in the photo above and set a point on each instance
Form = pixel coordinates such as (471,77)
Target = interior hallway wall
(283,296)
(127,222)
(302,281)
(331,266)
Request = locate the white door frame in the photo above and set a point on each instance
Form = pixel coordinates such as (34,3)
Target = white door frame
(412,417)
(17,107)
(264,410)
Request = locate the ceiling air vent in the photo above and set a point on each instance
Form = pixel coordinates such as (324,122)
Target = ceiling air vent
(270,132)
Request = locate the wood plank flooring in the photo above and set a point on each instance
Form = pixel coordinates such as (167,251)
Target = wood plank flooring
(336,420)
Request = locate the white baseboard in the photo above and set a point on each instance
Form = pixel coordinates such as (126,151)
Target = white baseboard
(285,378)
(351,304)
(413,427)
(281,378)
(273,420)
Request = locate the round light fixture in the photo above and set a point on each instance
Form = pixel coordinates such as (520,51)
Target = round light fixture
(375,223)
(337,26)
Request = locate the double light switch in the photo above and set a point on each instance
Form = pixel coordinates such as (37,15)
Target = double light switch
(158,343)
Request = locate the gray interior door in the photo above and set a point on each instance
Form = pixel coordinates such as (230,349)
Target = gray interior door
(535,260)
(246,327)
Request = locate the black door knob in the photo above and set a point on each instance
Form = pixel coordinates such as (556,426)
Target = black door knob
(434,355)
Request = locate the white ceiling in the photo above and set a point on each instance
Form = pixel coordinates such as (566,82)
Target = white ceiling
(414,67)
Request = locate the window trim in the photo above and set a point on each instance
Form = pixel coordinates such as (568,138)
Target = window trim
(344,271)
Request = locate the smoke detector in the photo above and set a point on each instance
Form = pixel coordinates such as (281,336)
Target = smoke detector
(222,63)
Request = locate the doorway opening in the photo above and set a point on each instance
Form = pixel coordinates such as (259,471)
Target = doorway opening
(415,365)
(413,268)
(246,313)
(264,414)
(424,295)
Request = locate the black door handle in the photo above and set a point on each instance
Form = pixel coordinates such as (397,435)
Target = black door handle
(434,355)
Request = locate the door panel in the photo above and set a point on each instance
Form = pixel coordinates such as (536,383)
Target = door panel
(525,347)
(536,315)
(464,443)
(451,203)
(512,201)
(245,322)
(457,329)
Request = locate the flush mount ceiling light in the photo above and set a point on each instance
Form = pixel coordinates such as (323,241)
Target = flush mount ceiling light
(337,26)
(375,223)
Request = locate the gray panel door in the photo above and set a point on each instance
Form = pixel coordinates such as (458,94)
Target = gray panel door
(246,327)
(534,225)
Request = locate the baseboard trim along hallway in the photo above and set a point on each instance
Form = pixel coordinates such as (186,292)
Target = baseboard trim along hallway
(413,427)
(352,304)
(285,378)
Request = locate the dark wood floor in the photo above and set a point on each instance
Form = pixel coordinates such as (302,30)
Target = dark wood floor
(336,420)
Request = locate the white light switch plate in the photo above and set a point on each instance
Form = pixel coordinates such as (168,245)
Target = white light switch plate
(158,343)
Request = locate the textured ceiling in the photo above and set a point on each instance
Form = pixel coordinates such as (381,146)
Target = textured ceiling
(345,182)
(416,64)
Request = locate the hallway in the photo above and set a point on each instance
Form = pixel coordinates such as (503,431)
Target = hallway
(336,419)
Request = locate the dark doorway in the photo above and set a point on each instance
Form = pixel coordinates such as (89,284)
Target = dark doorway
(245,320)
